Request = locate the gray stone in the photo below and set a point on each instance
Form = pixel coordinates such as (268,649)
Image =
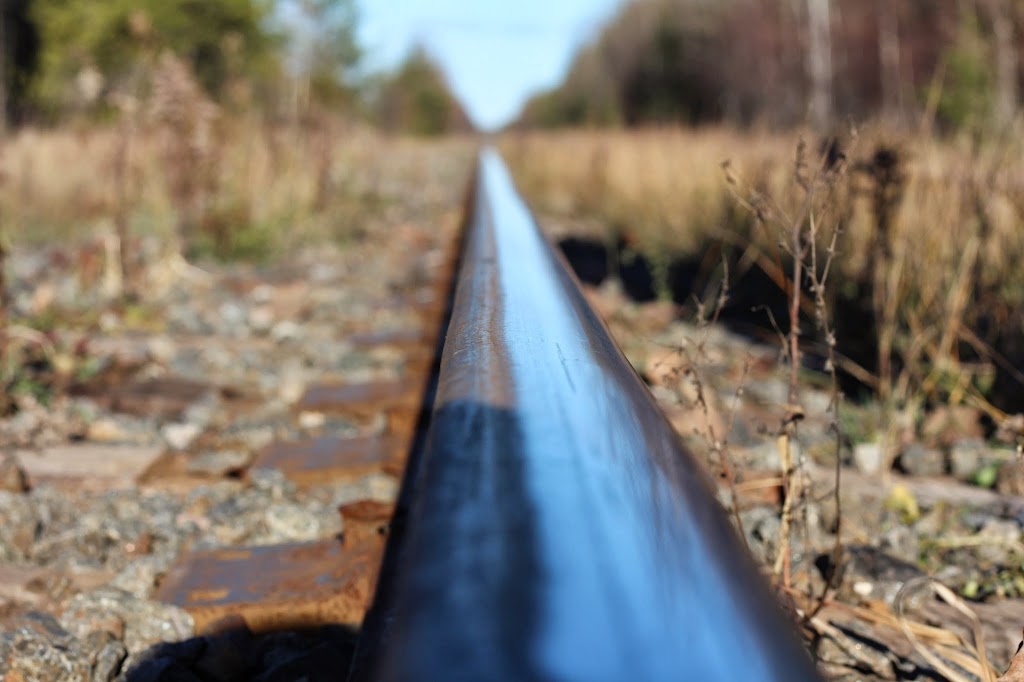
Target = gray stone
(1000,538)
(272,482)
(919,460)
(294,523)
(201,412)
(39,649)
(968,455)
(664,395)
(12,476)
(285,330)
(769,391)
(262,293)
(816,403)
(764,456)
(232,317)
(161,349)
(1010,477)
(867,457)
(180,436)
(108,661)
(380,487)
(261,319)
(139,578)
(218,462)
(901,542)
(145,623)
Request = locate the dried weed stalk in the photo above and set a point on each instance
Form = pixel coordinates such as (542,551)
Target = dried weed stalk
(693,353)
(718,443)
(810,238)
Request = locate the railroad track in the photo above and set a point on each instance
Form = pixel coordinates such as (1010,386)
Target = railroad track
(550,524)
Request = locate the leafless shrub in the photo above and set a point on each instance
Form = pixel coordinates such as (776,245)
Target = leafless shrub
(809,237)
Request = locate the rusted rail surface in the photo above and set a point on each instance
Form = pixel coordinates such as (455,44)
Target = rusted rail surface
(557,528)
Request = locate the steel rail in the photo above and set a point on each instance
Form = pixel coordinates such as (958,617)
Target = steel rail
(558,528)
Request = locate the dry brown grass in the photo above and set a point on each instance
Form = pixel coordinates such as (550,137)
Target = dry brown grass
(937,244)
(281,183)
(667,187)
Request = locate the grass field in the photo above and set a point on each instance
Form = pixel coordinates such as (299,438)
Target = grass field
(929,232)
(256,186)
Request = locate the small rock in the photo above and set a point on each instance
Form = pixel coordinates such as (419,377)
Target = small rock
(1001,538)
(109,321)
(262,293)
(161,349)
(145,622)
(663,394)
(202,410)
(232,316)
(108,661)
(918,460)
(815,403)
(311,420)
(291,388)
(764,456)
(901,542)
(288,522)
(139,578)
(768,390)
(965,457)
(863,588)
(261,319)
(218,462)
(12,476)
(867,457)
(105,431)
(37,648)
(1010,477)
(285,330)
(180,436)
(378,487)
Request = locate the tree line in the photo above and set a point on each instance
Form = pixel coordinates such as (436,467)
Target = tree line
(70,59)
(951,63)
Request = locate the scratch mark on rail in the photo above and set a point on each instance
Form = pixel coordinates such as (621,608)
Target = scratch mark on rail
(565,368)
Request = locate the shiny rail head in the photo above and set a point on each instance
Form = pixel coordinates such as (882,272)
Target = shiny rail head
(560,530)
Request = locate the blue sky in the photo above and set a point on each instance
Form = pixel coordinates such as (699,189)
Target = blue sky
(496,53)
